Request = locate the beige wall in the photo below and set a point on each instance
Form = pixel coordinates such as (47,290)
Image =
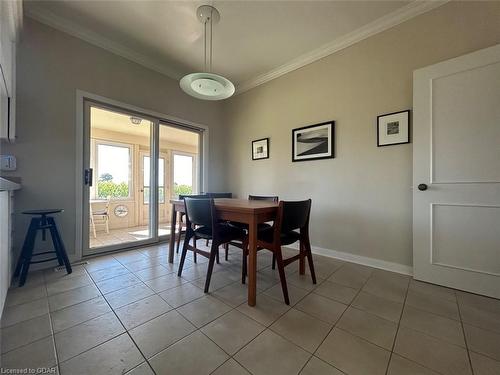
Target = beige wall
(362,198)
(51,66)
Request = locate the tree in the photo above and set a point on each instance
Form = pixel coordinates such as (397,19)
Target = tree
(106,177)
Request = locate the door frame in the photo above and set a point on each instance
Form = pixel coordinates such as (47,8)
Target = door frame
(81,209)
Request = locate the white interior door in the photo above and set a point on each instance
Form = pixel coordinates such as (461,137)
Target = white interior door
(456,154)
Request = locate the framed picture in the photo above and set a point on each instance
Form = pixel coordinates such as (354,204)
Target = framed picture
(313,142)
(260,149)
(393,128)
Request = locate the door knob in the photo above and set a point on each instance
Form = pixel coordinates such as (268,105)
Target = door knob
(422,187)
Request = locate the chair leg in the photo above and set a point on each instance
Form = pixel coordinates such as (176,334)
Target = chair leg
(179,236)
(244,267)
(281,270)
(59,245)
(23,263)
(307,246)
(194,245)
(183,254)
(213,251)
(107,224)
(207,242)
(302,259)
(273,266)
(93,226)
(226,246)
(217,255)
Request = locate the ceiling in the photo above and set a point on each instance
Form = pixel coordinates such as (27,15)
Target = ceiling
(120,123)
(255,41)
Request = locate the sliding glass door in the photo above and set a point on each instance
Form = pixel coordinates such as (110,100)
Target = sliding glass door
(134,165)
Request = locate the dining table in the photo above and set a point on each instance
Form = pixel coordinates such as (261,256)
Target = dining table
(250,212)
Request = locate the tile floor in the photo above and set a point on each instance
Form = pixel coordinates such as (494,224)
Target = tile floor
(130,313)
(122,235)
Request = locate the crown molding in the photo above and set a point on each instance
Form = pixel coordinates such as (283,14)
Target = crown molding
(401,15)
(48,18)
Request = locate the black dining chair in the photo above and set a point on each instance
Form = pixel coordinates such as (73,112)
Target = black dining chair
(202,222)
(291,225)
(215,196)
(180,221)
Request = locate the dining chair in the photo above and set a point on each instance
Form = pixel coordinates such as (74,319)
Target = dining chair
(220,195)
(181,216)
(292,216)
(202,222)
(102,214)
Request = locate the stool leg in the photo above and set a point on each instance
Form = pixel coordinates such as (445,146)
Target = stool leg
(27,250)
(59,245)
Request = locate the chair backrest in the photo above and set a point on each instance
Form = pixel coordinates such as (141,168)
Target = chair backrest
(199,211)
(271,198)
(294,215)
(220,195)
(194,196)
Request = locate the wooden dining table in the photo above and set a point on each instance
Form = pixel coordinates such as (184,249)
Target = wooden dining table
(251,212)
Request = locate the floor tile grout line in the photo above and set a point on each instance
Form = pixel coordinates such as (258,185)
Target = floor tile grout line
(397,329)
(464,335)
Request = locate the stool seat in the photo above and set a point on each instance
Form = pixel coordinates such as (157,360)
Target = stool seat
(46,211)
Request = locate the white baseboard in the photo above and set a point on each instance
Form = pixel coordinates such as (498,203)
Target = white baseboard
(359,259)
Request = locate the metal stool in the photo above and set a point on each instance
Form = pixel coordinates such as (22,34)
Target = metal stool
(41,222)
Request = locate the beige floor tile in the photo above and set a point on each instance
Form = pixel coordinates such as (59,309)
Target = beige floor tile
(85,336)
(118,282)
(295,294)
(165,282)
(232,331)
(113,357)
(195,272)
(316,366)
(301,329)
(483,365)
(18,296)
(266,311)
(233,294)
(194,354)
(270,354)
(65,284)
(403,366)
(303,281)
(38,354)
(25,333)
(351,275)
(486,319)
(434,325)
(76,314)
(100,262)
(432,289)
(479,302)
(217,281)
(321,307)
(109,272)
(142,369)
(483,341)
(203,310)
(128,295)
(19,313)
(161,332)
(132,256)
(352,354)
(433,304)
(54,274)
(141,311)
(370,327)
(182,294)
(336,292)
(231,367)
(143,264)
(72,297)
(379,306)
(431,352)
(390,288)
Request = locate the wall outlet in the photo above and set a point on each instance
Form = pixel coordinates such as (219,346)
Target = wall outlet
(7,163)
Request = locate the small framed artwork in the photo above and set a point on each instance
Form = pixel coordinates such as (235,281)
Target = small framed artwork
(313,142)
(260,149)
(393,128)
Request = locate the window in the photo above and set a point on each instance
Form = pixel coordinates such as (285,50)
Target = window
(161,179)
(183,172)
(113,170)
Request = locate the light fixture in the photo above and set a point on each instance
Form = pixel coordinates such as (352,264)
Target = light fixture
(207,85)
(135,120)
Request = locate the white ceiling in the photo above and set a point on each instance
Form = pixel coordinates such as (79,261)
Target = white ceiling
(255,40)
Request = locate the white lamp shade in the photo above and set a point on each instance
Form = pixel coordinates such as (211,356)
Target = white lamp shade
(207,86)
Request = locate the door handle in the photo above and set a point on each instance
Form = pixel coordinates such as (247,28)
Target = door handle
(422,187)
(87,176)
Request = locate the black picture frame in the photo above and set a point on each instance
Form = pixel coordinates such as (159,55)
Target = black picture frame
(266,156)
(330,142)
(405,115)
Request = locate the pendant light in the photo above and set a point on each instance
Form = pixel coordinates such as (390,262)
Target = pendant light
(207,85)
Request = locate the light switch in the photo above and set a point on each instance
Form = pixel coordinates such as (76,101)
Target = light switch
(7,163)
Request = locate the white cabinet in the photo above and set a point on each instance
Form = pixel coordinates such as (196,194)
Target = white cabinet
(10,23)
(5,236)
